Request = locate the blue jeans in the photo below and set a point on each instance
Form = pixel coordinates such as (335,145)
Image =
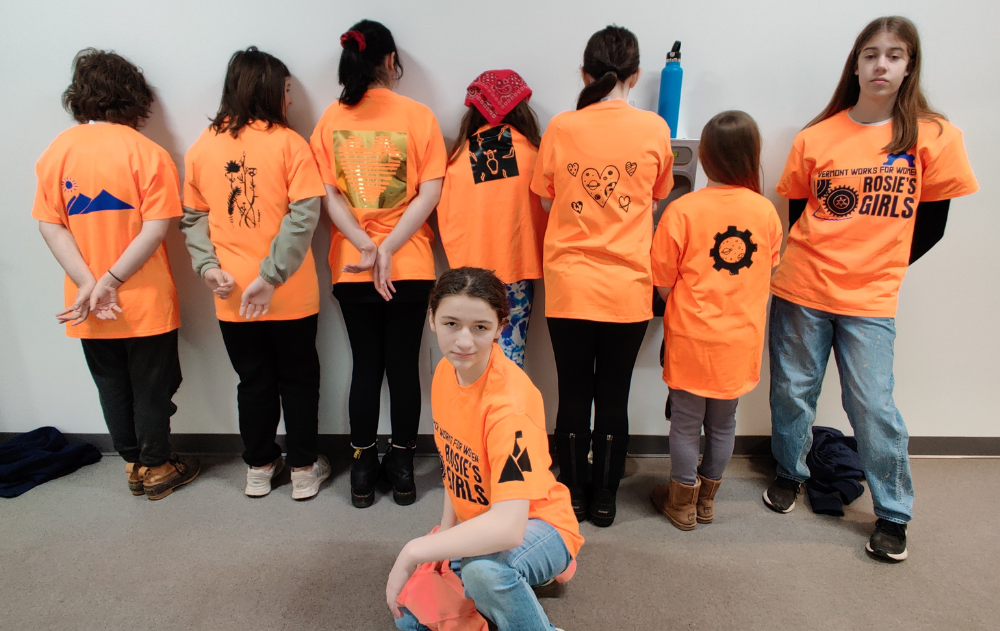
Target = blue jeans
(799,349)
(500,584)
(520,296)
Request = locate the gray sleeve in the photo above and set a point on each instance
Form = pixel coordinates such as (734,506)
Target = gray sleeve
(289,247)
(194,225)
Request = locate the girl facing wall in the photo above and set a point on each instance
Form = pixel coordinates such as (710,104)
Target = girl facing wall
(857,179)
(252,198)
(104,201)
(599,171)
(382,159)
(712,258)
(488,217)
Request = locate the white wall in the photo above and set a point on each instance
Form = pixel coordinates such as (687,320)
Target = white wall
(779,61)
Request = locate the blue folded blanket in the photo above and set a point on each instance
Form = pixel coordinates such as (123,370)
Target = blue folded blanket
(835,471)
(38,456)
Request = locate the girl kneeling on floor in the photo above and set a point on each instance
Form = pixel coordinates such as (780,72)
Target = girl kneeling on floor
(505,515)
(712,259)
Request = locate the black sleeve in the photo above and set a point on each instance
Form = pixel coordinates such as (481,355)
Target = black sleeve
(795,209)
(928,227)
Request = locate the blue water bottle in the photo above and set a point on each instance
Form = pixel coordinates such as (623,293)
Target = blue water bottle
(670,89)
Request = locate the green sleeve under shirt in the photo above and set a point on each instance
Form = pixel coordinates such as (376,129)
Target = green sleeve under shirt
(288,249)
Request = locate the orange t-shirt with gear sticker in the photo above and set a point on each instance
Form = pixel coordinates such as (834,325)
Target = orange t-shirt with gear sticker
(715,248)
(377,154)
(848,252)
(246,184)
(602,167)
(102,181)
(494,447)
(488,217)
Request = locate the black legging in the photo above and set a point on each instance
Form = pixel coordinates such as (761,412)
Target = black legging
(385,341)
(594,361)
(279,371)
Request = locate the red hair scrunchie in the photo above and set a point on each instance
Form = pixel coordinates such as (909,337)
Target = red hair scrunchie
(357,36)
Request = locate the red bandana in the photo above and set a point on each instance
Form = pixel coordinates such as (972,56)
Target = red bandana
(496,92)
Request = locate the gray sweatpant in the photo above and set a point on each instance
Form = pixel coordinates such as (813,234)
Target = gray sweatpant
(689,412)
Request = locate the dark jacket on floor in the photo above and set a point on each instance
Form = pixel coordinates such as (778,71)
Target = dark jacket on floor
(834,471)
(39,456)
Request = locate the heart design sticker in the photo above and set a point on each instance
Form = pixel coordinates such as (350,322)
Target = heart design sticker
(600,185)
(573,168)
(624,201)
(577,206)
(630,168)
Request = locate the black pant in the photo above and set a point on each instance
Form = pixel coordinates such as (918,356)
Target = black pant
(136,379)
(385,340)
(279,370)
(594,362)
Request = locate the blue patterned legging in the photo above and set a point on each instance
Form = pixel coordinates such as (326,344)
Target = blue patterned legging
(512,337)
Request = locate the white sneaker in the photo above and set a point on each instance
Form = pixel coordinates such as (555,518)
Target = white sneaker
(259,480)
(305,484)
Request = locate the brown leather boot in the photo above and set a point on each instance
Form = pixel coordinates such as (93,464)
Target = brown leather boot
(159,482)
(677,502)
(706,499)
(135,472)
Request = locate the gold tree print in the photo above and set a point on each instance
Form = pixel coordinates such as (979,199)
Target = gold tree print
(242,193)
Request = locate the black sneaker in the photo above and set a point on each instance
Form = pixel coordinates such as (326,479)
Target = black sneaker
(780,496)
(888,542)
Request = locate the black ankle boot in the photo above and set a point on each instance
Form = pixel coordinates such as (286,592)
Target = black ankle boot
(364,471)
(572,450)
(397,472)
(609,466)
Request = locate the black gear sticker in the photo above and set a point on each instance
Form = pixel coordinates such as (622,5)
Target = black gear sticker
(841,201)
(733,250)
(822,188)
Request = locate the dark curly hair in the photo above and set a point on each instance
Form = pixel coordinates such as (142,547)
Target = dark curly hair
(107,87)
(474,282)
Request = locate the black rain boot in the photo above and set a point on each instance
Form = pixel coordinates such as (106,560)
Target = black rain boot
(397,472)
(572,450)
(364,471)
(609,466)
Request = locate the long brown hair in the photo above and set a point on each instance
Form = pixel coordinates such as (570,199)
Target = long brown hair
(474,282)
(911,105)
(254,90)
(611,55)
(729,150)
(522,118)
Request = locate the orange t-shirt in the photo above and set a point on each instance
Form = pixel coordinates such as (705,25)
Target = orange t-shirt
(488,217)
(102,181)
(494,447)
(849,250)
(377,154)
(602,166)
(716,247)
(246,185)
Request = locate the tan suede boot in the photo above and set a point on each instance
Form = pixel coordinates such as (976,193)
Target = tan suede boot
(677,502)
(135,472)
(159,482)
(706,499)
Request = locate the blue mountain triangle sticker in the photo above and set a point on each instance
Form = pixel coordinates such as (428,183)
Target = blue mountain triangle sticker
(81,204)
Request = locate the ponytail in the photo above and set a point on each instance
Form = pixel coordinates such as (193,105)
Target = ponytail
(611,55)
(366,45)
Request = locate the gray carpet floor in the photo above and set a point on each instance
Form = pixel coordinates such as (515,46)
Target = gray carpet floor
(82,553)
